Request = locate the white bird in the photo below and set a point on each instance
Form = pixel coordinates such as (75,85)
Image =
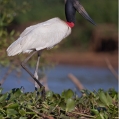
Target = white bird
(46,35)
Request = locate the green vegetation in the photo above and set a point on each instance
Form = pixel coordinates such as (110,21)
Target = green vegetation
(98,10)
(9,9)
(95,105)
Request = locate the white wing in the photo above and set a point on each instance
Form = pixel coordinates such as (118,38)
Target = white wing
(40,36)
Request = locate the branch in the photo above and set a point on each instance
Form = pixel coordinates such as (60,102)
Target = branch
(76,81)
(111,68)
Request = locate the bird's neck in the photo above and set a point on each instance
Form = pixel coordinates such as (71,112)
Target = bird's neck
(70,24)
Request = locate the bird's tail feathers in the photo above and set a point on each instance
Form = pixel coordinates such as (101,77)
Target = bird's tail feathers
(14,49)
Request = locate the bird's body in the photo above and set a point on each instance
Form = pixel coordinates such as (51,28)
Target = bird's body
(40,36)
(46,35)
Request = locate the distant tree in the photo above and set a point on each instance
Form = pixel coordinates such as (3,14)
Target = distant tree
(9,9)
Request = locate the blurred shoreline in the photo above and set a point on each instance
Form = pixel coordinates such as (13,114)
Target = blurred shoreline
(83,58)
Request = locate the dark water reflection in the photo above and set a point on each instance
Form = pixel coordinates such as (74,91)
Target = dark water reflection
(92,79)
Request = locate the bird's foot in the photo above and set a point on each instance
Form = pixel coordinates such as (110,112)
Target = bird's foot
(43,94)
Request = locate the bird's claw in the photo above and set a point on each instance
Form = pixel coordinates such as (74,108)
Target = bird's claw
(43,94)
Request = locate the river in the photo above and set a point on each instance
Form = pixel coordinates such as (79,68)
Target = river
(92,78)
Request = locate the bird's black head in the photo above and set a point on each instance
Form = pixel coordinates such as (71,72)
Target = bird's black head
(70,11)
(71,6)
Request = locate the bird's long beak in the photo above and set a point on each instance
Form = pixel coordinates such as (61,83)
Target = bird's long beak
(80,9)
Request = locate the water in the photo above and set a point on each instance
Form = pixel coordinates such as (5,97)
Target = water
(91,78)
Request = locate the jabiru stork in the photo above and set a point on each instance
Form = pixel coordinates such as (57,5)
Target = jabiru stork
(45,35)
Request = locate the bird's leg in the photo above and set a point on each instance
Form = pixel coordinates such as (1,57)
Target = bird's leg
(24,67)
(36,74)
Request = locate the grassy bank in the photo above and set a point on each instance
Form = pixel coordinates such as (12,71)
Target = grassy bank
(95,105)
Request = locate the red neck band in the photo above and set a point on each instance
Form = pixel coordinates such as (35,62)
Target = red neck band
(70,24)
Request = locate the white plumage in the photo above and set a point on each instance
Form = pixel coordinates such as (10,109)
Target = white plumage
(40,36)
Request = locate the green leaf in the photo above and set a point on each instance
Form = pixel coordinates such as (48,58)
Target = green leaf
(15,94)
(11,112)
(102,116)
(3,97)
(22,112)
(49,94)
(70,105)
(64,116)
(94,111)
(54,98)
(58,96)
(62,105)
(109,98)
(100,104)
(67,94)
(103,98)
(18,93)
(12,106)
(23,118)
